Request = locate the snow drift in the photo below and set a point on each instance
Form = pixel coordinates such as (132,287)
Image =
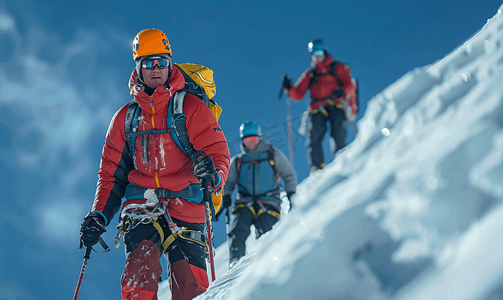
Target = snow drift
(410,210)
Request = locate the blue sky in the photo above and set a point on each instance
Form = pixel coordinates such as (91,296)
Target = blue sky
(64,69)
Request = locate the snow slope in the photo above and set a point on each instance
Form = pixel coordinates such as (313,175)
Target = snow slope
(410,210)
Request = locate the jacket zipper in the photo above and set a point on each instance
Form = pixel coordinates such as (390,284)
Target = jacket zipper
(156,176)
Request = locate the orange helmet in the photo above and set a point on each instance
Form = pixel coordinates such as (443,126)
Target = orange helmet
(150,41)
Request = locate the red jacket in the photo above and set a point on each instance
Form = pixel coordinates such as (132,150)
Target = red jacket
(325,84)
(163,165)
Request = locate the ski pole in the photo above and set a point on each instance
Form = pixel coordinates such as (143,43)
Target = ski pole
(82,270)
(228,227)
(289,124)
(207,198)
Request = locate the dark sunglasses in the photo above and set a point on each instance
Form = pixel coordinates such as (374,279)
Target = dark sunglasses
(151,63)
(250,138)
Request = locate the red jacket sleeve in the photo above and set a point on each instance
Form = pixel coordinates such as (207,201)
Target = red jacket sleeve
(298,91)
(205,134)
(116,163)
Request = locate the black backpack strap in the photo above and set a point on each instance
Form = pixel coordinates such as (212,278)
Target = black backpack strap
(238,163)
(270,157)
(334,72)
(178,123)
(131,126)
(132,113)
(313,76)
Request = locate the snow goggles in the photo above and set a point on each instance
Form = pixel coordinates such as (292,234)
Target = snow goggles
(250,138)
(318,53)
(151,63)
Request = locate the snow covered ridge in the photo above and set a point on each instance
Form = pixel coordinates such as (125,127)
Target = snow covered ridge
(410,210)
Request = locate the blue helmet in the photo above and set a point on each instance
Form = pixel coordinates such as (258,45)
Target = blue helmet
(314,45)
(249,128)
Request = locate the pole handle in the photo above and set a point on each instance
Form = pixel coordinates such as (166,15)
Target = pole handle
(88,252)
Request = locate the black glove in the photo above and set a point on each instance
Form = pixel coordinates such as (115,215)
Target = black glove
(226,201)
(91,228)
(289,196)
(205,169)
(287,82)
(339,93)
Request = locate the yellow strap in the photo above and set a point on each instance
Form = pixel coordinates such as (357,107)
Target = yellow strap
(158,227)
(123,224)
(271,212)
(316,110)
(253,212)
(237,206)
(169,240)
(274,213)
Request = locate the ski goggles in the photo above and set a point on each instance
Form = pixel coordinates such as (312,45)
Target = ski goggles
(318,53)
(151,63)
(250,138)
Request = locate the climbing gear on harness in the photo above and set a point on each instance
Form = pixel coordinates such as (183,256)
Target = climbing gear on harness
(129,221)
(322,107)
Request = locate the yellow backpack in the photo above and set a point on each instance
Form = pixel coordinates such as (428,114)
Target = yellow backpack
(199,81)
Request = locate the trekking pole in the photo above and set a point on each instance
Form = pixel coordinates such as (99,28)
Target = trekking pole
(228,226)
(207,198)
(82,270)
(289,128)
(289,124)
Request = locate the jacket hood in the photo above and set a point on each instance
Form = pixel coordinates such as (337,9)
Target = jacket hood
(162,94)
